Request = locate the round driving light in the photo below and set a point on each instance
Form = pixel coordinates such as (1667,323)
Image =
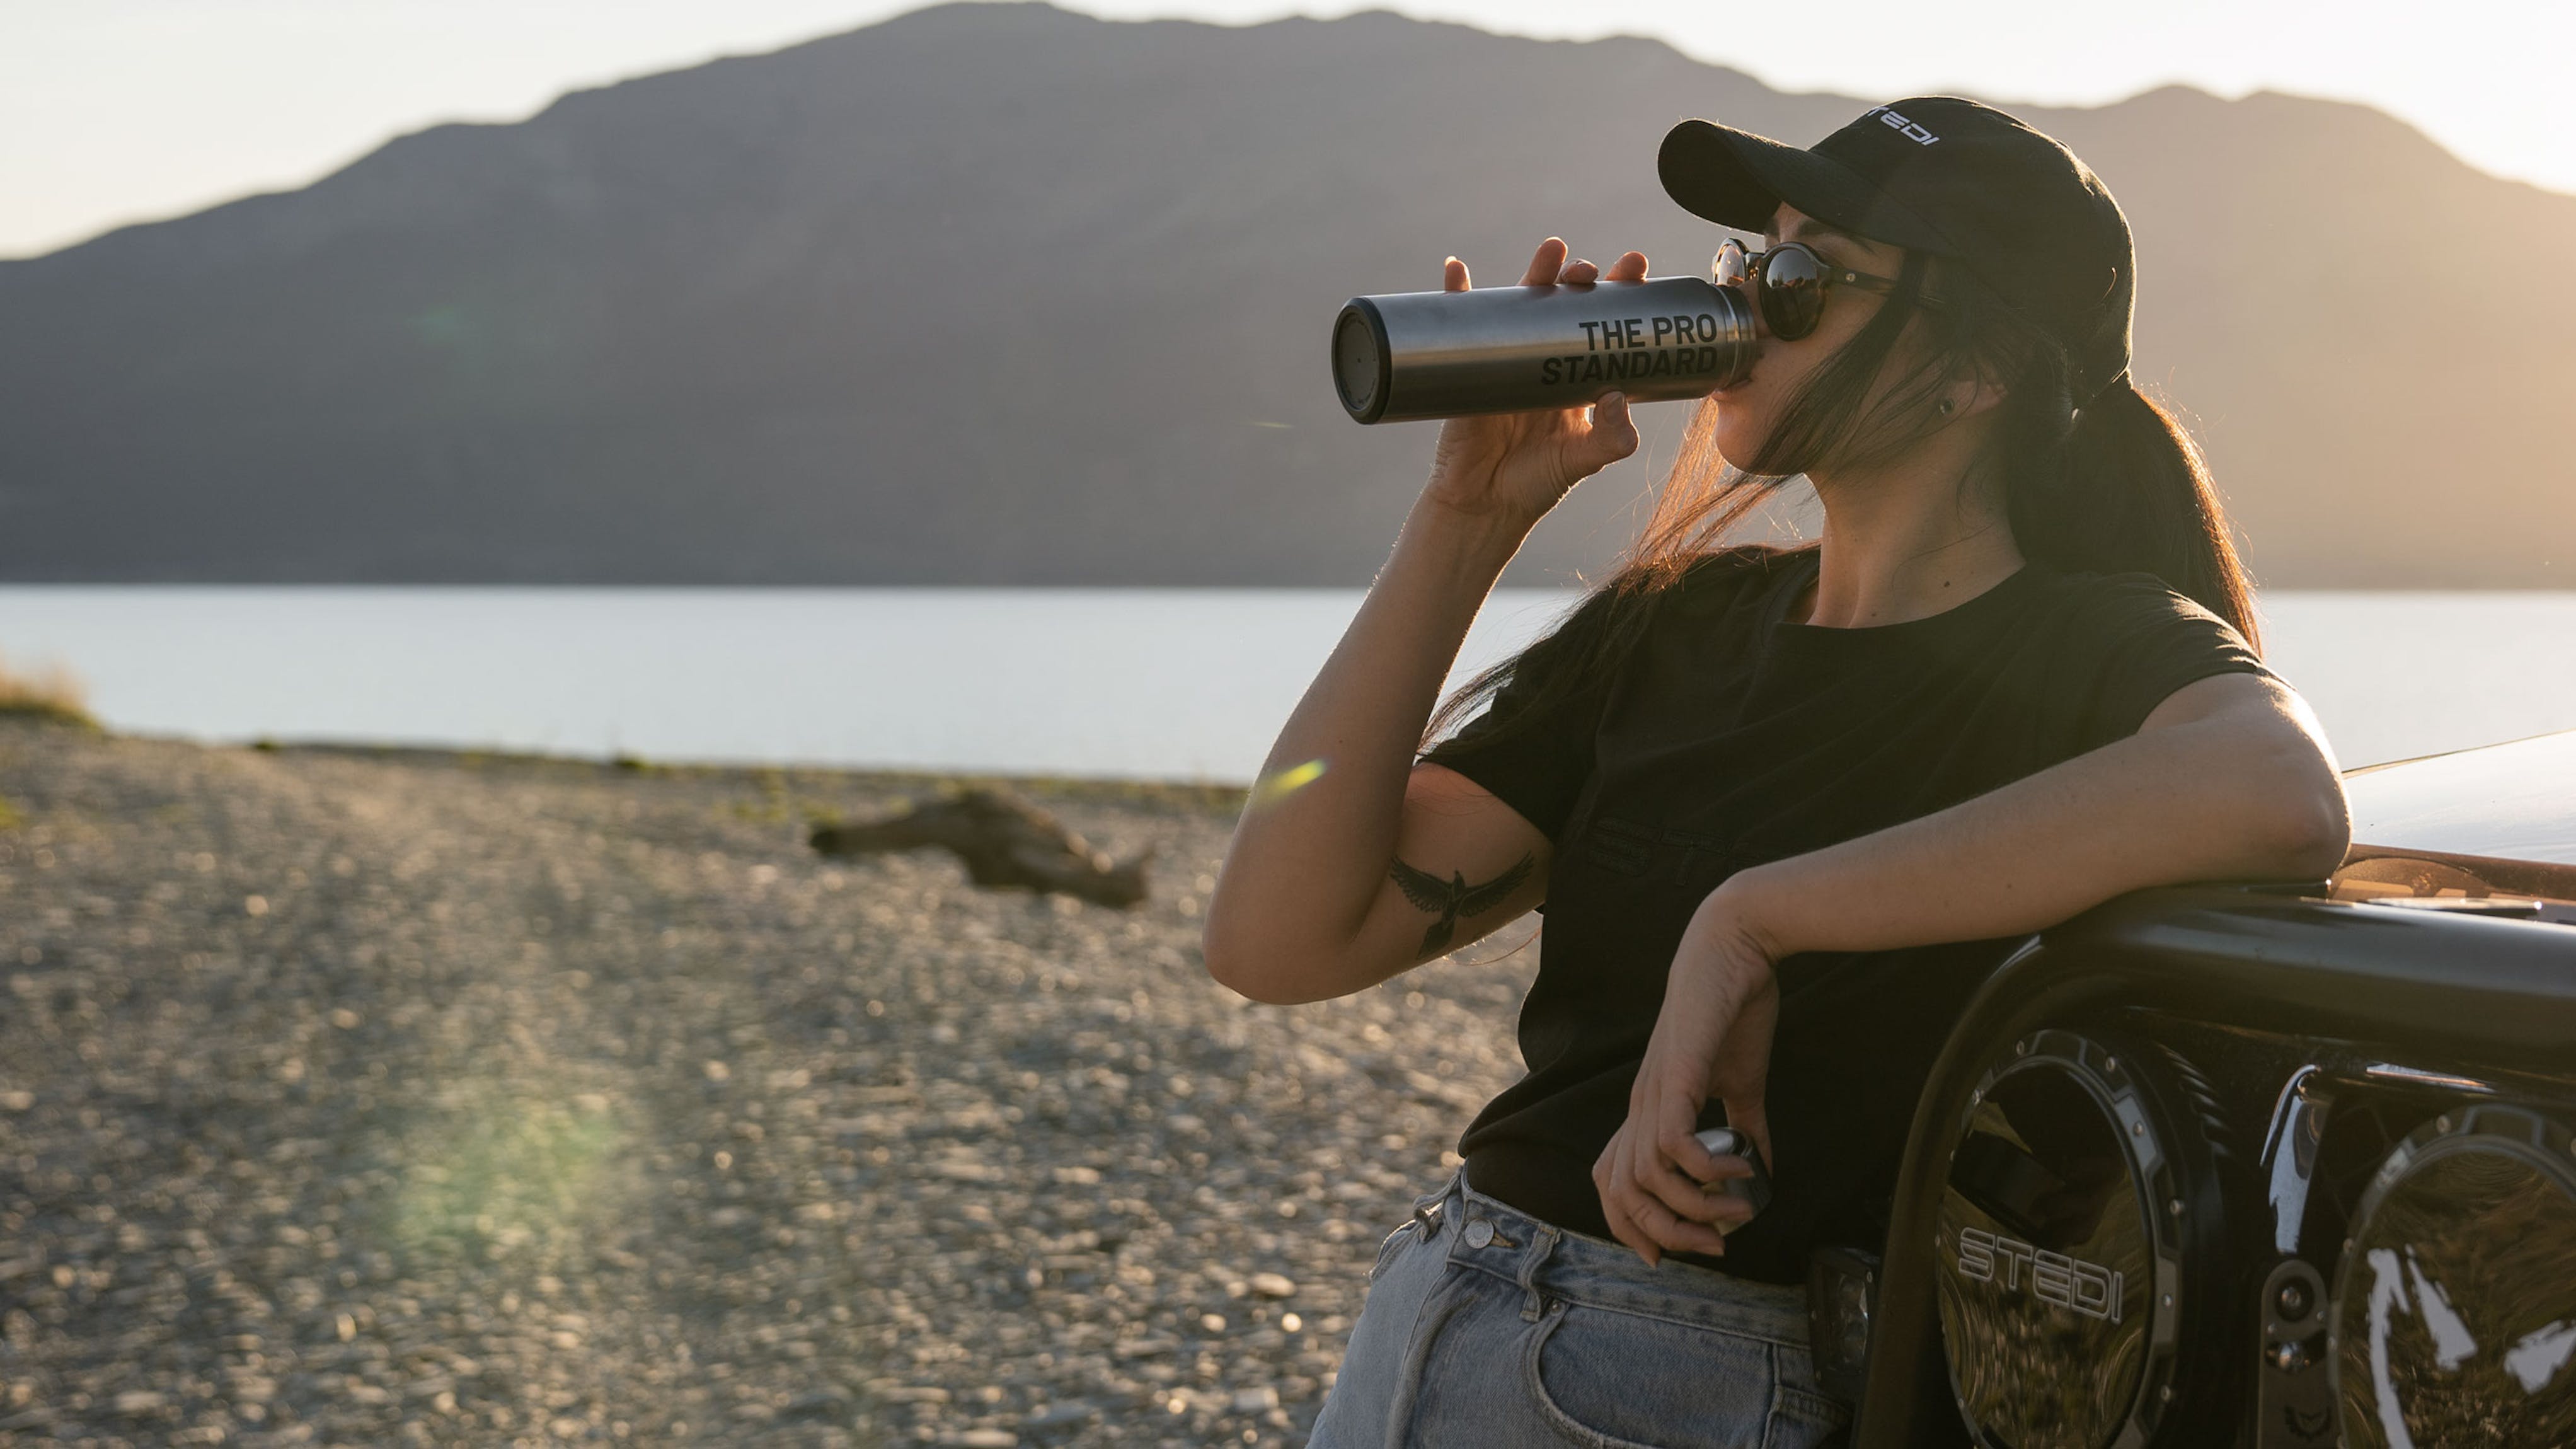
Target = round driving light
(2076,1203)
(2454,1318)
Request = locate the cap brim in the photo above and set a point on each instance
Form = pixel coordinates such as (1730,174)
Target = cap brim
(1738,179)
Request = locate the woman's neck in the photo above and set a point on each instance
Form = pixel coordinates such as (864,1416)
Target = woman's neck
(1897,549)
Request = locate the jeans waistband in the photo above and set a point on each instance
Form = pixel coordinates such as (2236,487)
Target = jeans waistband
(1552,1262)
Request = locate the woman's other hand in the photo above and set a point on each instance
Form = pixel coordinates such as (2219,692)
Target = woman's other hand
(1517,465)
(1712,1039)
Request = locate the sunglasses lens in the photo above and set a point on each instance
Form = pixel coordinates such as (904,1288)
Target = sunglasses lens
(1793,292)
(1730,269)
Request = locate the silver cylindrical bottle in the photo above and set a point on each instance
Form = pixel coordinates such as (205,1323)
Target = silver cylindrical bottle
(1409,355)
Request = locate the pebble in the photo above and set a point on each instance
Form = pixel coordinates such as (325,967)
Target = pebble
(926,1394)
(1054,1416)
(543,1099)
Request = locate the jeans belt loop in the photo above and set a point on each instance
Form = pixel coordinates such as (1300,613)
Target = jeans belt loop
(1426,1211)
(1536,1255)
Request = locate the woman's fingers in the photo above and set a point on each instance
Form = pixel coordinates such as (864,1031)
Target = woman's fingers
(1682,1146)
(1748,1118)
(1723,1171)
(1605,1181)
(1674,1169)
(1646,1223)
(1652,1172)
(1679,1234)
(1634,1238)
(1612,436)
(1453,276)
(1549,264)
(1594,439)
(1631,267)
(1545,263)
(1666,1188)
(1671,1230)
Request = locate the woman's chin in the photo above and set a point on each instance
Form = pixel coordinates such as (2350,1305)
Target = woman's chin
(1737,439)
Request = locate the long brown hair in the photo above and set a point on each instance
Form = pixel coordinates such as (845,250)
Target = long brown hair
(2113,486)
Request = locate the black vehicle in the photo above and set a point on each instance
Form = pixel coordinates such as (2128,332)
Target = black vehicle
(2280,1167)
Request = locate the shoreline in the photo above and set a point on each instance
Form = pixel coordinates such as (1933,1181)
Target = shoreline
(1210,794)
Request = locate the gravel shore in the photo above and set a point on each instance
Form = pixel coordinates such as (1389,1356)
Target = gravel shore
(362,1097)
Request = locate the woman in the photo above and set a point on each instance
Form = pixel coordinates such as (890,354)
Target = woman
(1785,807)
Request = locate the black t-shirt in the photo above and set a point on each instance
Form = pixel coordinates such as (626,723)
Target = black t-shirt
(1731,737)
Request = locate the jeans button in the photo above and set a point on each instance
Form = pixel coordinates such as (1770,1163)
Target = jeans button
(1479,1233)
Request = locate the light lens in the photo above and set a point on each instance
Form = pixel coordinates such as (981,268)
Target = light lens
(1732,267)
(2455,1321)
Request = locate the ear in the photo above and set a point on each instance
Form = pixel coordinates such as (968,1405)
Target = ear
(1971,396)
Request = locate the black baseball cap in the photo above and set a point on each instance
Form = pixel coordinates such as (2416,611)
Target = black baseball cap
(1952,177)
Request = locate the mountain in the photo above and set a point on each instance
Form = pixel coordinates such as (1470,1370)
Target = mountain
(999,293)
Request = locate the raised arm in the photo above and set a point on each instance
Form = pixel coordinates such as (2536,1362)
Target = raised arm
(2229,779)
(1352,863)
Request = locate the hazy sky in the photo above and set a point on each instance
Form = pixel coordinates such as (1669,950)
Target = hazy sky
(122,110)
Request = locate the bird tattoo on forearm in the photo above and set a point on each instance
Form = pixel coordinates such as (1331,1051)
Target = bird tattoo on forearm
(1453,897)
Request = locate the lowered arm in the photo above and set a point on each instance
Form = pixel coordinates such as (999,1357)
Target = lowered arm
(2229,778)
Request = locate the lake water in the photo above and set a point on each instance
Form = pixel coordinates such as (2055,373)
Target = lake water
(1160,683)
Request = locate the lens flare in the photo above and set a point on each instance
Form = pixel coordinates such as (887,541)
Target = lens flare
(1270,789)
(508,1168)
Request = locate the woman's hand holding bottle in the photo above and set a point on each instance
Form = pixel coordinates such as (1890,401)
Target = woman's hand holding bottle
(1514,467)
(1712,1039)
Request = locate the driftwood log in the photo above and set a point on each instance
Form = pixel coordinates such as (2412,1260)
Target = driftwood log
(1005,841)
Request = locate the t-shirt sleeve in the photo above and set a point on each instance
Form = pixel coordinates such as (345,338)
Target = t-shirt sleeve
(2154,641)
(1532,747)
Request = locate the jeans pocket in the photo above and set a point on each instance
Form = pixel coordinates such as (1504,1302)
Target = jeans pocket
(1612,1380)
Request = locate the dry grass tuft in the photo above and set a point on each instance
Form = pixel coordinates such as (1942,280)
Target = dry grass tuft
(50,692)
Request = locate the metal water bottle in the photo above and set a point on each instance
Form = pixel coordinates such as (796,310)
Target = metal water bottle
(1410,355)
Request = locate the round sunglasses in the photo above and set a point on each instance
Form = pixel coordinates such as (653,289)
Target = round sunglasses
(1789,283)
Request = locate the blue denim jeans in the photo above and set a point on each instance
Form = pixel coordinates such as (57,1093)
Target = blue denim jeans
(1488,1329)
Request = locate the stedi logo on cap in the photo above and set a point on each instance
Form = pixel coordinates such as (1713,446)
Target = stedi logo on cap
(1901,126)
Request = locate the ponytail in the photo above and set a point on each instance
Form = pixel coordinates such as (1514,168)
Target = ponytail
(2125,490)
